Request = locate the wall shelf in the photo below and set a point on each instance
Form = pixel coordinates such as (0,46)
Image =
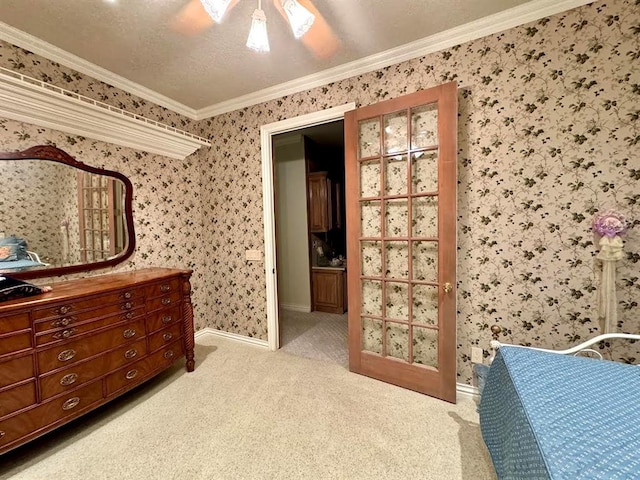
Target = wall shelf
(27,99)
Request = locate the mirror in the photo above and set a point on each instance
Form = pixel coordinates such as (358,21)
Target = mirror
(59,216)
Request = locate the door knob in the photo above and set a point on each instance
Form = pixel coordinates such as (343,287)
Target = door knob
(447,287)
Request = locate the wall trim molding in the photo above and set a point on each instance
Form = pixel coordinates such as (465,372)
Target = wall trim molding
(30,100)
(40,47)
(231,336)
(296,308)
(510,18)
(467,392)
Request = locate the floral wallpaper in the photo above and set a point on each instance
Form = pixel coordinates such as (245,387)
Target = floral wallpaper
(548,136)
(32,217)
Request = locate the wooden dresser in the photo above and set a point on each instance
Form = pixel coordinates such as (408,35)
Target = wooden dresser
(68,351)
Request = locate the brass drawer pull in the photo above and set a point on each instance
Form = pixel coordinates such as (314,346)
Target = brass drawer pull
(129,315)
(63,322)
(71,403)
(127,306)
(167,319)
(64,334)
(167,336)
(168,354)
(166,301)
(68,379)
(129,354)
(64,309)
(128,333)
(165,288)
(131,374)
(2,434)
(127,295)
(66,355)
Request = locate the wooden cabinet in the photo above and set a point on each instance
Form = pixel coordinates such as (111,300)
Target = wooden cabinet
(329,289)
(68,351)
(320,202)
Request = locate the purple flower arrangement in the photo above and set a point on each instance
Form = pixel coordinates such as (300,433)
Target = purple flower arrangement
(610,224)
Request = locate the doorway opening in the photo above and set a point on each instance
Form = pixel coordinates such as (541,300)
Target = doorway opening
(268,132)
(311,241)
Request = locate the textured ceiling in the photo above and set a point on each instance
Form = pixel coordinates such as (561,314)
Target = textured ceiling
(133,39)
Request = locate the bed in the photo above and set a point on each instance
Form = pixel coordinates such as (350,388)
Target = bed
(546,415)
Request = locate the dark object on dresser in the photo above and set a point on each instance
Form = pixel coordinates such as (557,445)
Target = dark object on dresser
(68,351)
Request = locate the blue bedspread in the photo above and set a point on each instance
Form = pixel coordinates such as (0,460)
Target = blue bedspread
(545,415)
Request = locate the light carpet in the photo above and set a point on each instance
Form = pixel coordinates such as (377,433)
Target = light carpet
(317,335)
(247,413)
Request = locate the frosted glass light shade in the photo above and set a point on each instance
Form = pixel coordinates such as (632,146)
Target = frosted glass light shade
(299,17)
(258,39)
(216,8)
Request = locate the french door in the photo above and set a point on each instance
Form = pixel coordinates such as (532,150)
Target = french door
(100,214)
(401,240)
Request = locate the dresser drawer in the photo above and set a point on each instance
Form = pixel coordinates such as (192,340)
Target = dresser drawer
(164,337)
(11,323)
(74,351)
(169,286)
(136,372)
(166,301)
(75,375)
(15,343)
(15,427)
(16,370)
(162,319)
(119,300)
(78,328)
(127,310)
(16,398)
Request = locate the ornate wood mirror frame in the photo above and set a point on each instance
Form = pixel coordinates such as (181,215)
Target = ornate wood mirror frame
(84,258)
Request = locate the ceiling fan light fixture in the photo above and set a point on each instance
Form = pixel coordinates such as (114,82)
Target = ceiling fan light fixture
(216,8)
(299,17)
(258,39)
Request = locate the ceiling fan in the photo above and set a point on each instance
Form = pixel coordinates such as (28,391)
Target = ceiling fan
(306,22)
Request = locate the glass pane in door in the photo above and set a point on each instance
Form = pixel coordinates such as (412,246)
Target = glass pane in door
(424,217)
(425,346)
(372,335)
(397,341)
(369,138)
(370,179)
(425,305)
(397,301)
(397,260)
(395,132)
(395,175)
(424,172)
(424,126)
(371,253)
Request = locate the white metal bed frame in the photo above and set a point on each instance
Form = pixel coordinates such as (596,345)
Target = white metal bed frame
(583,347)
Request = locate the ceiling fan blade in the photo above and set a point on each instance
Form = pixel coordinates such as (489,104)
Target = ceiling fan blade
(320,39)
(193,18)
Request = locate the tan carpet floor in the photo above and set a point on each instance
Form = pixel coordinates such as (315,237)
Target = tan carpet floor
(317,335)
(247,413)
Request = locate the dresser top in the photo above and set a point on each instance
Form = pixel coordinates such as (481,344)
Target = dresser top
(83,287)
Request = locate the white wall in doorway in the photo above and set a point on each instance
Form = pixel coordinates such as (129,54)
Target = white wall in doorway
(294,289)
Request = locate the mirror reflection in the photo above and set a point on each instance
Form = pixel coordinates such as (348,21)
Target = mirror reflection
(54,215)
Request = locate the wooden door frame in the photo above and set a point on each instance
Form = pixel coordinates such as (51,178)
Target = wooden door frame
(268,204)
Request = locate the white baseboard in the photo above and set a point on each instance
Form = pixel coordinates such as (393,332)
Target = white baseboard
(232,336)
(463,391)
(296,308)
(467,392)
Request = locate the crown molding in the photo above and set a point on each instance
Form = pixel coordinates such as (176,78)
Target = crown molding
(513,17)
(29,100)
(55,54)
